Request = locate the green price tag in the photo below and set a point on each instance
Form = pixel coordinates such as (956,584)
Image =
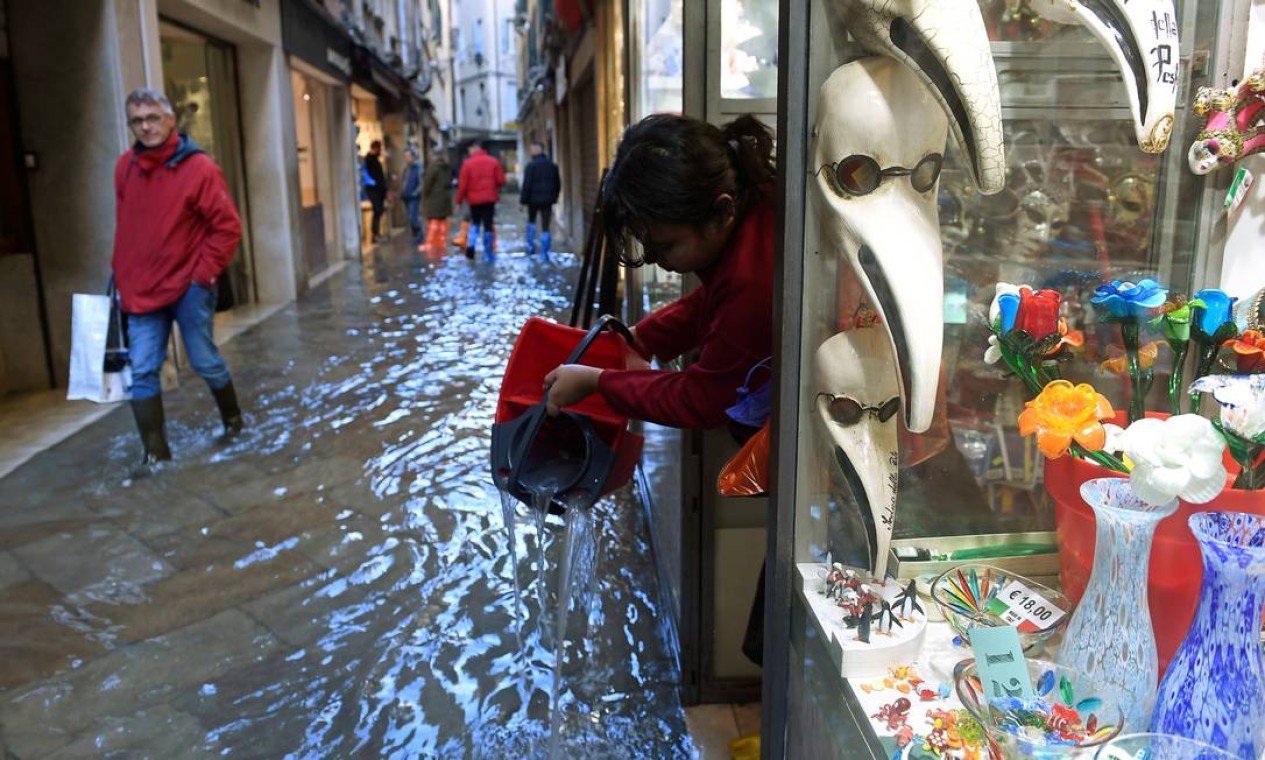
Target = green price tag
(999,658)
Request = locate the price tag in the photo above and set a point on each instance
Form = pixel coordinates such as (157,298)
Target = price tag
(999,657)
(1024,608)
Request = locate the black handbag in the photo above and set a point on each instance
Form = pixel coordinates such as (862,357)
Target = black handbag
(224,297)
(116,347)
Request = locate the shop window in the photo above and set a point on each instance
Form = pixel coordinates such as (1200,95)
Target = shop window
(748,49)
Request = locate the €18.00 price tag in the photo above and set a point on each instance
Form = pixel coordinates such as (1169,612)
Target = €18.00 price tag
(1024,608)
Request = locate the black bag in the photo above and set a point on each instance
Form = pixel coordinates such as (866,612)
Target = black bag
(116,347)
(224,298)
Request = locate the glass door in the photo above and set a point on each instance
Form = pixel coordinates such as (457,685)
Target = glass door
(200,79)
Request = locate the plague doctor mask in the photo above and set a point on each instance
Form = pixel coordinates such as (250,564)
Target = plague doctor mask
(1142,38)
(878,145)
(857,401)
(945,44)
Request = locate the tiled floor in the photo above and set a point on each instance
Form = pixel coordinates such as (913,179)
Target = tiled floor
(33,422)
(713,727)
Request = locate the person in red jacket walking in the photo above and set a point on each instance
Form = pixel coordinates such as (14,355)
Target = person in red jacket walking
(479,183)
(177,230)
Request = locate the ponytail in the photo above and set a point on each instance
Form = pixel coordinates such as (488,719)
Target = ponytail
(671,169)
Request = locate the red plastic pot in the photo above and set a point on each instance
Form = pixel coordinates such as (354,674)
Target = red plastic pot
(1176,571)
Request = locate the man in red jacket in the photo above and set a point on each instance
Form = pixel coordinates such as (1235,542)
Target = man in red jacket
(177,231)
(479,184)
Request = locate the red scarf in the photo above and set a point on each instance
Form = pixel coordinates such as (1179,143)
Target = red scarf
(149,159)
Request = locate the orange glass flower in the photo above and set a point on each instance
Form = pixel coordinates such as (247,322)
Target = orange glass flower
(1119,365)
(1063,413)
(1249,352)
(1074,339)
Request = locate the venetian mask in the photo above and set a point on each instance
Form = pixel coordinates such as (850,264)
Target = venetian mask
(1141,36)
(857,401)
(1233,124)
(945,44)
(878,145)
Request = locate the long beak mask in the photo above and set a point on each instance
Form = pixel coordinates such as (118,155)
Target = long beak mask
(1142,38)
(877,109)
(945,43)
(856,399)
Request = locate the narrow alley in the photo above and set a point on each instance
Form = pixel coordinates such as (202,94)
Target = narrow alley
(338,582)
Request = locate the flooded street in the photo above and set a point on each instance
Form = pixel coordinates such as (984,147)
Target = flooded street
(339,582)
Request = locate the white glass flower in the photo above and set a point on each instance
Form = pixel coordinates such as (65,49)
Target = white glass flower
(1242,400)
(1176,457)
(993,354)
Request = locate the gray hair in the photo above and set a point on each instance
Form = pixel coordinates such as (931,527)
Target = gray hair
(149,96)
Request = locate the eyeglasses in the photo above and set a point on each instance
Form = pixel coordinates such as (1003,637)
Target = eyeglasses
(152,120)
(859,175)
(847,411)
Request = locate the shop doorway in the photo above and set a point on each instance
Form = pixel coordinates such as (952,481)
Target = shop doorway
(200,79)
(313,120)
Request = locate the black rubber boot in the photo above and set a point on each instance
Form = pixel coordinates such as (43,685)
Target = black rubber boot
(230,413)
(151,424)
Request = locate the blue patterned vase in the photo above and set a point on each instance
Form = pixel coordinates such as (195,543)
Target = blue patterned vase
(1109,638)
(1214,690)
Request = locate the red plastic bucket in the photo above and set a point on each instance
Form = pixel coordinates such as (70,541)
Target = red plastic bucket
(1176,571)
(543,345)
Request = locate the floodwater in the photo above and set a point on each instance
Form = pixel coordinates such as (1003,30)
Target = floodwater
(341,581)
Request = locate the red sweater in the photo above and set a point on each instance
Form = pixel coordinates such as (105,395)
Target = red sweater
(176,224)
(730,318)
(480,179)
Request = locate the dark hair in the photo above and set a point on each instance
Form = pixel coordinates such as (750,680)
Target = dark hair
(375,144)
(672,168)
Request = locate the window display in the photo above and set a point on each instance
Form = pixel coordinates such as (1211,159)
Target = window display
(911,454)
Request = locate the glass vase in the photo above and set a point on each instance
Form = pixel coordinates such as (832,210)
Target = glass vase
(1109,638)
(1214,691)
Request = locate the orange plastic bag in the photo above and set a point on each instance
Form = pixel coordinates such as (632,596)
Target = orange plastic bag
(747,473)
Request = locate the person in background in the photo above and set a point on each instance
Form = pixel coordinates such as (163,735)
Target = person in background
(411,193)
(541,187)
(437,199)
(375,186)
(177,231)
(479,183)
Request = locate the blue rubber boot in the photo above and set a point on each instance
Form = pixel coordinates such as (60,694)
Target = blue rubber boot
(489,239)
(545,240)
(471,239)
(531,239)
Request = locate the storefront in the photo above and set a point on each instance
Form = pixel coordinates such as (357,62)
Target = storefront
(1079,204)
(320,67)
(200,79)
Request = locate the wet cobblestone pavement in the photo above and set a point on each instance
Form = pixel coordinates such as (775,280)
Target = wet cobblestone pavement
(336,583)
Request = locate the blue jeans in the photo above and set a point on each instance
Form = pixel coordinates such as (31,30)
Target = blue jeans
(414,209)
(147,336)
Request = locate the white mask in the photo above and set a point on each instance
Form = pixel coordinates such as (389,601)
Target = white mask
(946,44)
(855,388)
(877,108)
(1142,38)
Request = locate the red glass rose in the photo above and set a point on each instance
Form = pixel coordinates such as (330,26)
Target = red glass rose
(1038,312)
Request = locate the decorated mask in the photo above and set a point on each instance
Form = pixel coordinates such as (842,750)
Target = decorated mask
(945,44)
(1141,36)
(877,148)
(857,401)
(1234,127)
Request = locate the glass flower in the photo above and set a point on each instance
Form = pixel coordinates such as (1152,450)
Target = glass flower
(1069,338)
(1119,363)
(1216,309)
(992,354)
(1178,457)
(1130,300)
(1005,306)
(1063,413)
(1176,317)
(1242,402)
(1038,312)
(1249,351)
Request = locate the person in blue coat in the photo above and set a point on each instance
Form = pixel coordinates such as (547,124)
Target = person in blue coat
(411,193)
(541,187)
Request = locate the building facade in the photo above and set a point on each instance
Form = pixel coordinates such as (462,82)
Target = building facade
(485,41)
(285,95)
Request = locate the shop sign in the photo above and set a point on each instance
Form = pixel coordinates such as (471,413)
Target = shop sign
(338,61)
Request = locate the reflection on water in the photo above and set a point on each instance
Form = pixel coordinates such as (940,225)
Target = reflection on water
(338,582)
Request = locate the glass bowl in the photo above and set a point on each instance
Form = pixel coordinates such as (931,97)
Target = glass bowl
(977,595)
(1159,747)
(1066,699)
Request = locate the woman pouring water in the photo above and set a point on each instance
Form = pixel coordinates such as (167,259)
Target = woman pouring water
(690,197)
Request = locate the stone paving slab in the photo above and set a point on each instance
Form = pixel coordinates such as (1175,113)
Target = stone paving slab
(40,635)
(46,718)
(102,553)
(158,732)
(11,570)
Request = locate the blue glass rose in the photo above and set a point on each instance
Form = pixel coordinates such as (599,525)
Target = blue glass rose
(1129,300)
(1008,303)
(1218,309)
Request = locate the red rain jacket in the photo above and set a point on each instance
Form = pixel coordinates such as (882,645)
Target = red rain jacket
(176,224)
(480,179)
(730,317)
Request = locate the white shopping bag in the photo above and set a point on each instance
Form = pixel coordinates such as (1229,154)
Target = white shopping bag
(90,325)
